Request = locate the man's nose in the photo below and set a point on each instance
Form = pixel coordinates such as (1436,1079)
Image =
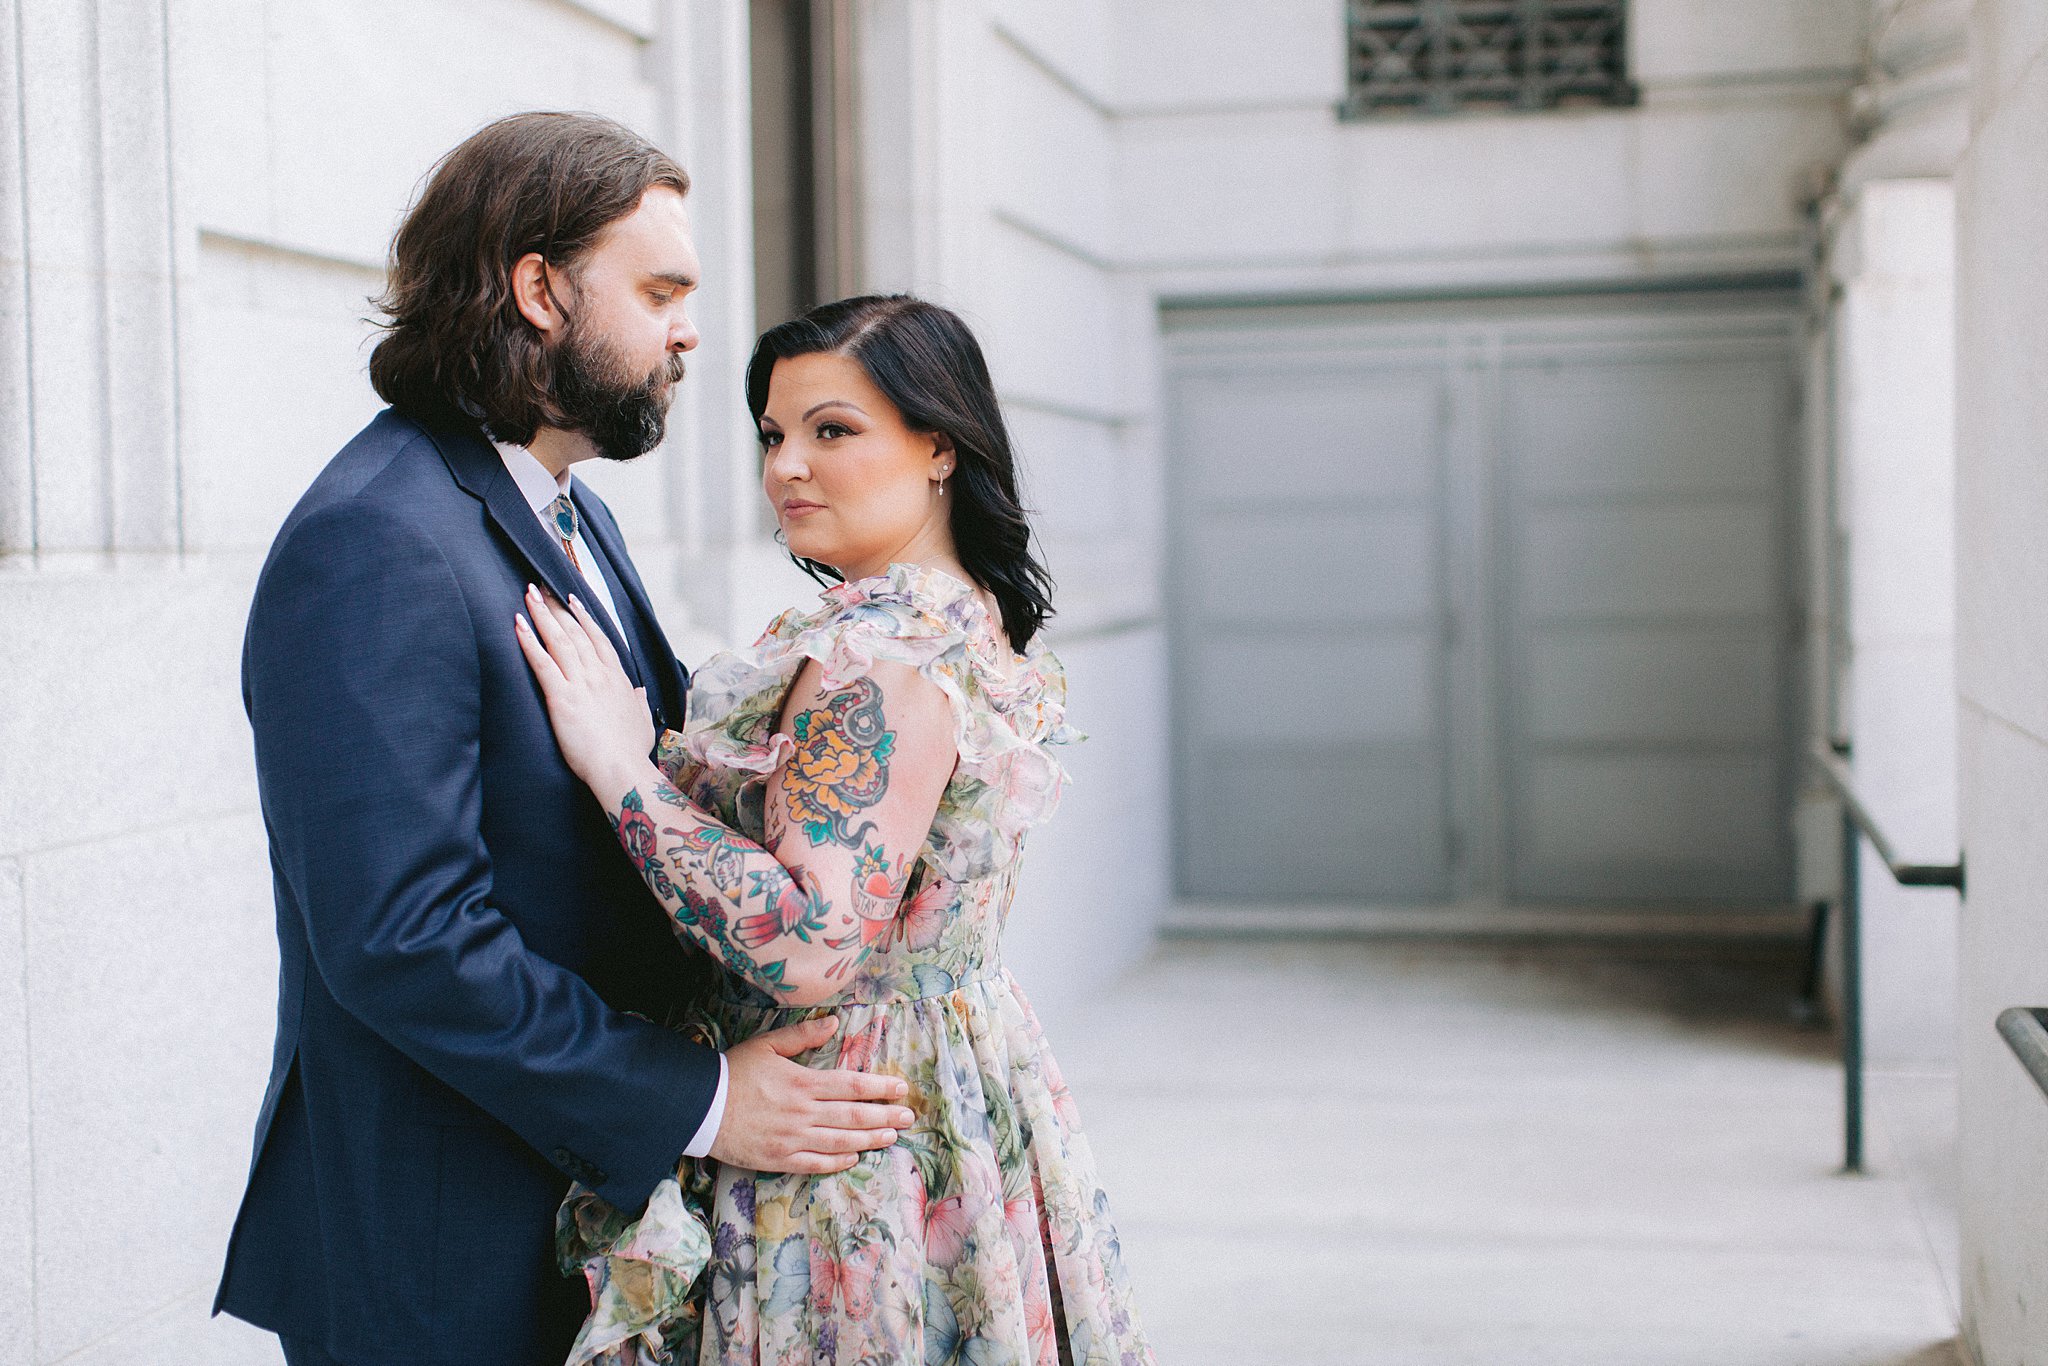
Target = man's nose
(683,336)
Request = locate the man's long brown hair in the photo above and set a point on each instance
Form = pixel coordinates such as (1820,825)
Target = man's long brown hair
(454,339)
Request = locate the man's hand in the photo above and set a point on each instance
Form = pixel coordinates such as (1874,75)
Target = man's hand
(781,1116)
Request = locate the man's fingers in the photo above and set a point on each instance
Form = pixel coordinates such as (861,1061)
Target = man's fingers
(791,1040)
(864,1117)
(846,1140)
(841,1084)
(820,1164)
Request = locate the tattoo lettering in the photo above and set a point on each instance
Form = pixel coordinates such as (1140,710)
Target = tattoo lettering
(841,764)
(877,892)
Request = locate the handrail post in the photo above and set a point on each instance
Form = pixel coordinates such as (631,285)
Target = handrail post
(1857,826)
(1852,996)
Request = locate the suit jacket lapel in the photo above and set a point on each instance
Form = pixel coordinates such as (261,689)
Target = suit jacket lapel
(475,464)
(636,660)
(660,661)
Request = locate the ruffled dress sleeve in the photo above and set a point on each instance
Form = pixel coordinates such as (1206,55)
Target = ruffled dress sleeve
(1009,711)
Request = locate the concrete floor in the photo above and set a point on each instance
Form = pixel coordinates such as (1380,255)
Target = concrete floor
(1407,1153)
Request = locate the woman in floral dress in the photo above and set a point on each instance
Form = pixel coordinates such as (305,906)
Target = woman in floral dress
(840,826)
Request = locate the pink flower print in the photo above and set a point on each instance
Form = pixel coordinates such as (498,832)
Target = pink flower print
(1000,1281)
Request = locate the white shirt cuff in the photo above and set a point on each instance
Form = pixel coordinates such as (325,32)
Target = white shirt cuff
(707,1132)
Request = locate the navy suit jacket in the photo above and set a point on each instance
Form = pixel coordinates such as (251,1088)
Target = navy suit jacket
(460,938)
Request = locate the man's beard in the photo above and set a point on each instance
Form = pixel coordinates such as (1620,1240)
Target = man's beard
(623,415)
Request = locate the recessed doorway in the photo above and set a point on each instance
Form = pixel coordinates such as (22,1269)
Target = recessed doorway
(1484,601)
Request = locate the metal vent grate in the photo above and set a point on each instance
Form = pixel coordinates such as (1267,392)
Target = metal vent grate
(1448,56)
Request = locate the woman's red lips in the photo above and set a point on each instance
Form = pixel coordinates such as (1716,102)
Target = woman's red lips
(797,507)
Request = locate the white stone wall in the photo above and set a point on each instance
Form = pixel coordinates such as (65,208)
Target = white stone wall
(2002,671)
(186,252)
(1881,523)
(1892,259)
(988,180)
(1236,178)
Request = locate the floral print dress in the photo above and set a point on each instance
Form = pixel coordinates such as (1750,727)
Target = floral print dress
(982,1236)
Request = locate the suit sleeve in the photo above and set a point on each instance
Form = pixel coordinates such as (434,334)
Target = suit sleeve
(364,690)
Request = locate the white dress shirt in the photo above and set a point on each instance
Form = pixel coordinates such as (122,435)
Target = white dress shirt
(540,490)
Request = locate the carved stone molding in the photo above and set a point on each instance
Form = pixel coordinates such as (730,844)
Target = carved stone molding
(88,354)
(1910,113)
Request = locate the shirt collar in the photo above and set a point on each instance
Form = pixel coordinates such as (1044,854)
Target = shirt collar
(538,486)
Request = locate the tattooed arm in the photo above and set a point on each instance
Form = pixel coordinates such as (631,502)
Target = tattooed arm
(846,815)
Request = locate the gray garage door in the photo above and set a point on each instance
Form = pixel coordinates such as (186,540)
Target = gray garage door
(1482,603)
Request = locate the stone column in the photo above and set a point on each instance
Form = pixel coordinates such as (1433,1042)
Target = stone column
(1889,253)
(2002,674)
(728,573)
(89,445)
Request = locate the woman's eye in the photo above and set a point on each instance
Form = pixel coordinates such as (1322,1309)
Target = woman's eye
(770,440)
(828,430)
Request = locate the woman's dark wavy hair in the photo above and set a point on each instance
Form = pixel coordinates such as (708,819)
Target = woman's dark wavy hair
(455,340)
(928,364)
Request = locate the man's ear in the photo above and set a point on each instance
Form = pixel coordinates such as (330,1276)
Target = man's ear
(532,291)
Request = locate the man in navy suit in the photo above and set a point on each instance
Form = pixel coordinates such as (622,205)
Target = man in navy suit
(474,984)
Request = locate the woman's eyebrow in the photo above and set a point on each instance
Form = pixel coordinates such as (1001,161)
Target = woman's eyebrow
(830,403)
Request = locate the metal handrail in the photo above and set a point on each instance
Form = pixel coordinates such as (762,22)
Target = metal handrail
(1905,874)
(2026,1029)
(1858,822)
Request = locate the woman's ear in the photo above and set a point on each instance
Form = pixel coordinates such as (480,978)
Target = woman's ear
(533,295)
(943,456)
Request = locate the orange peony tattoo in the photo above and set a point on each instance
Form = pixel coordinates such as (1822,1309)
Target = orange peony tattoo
(841,764)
